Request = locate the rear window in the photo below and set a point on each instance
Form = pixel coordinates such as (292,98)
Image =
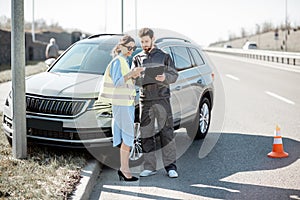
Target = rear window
(197,57)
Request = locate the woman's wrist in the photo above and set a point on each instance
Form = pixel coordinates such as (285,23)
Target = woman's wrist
(128,76)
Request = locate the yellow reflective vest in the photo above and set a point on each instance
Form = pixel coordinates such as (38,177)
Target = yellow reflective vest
(123,95)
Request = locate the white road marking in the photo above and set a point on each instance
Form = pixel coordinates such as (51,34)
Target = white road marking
(280,98)
(232,77)
(215,187)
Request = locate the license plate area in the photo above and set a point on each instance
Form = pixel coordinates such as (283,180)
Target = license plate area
(48,125)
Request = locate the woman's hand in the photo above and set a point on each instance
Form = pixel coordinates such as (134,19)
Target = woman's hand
(136,72)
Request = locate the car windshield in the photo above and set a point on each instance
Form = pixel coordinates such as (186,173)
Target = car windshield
(84,58)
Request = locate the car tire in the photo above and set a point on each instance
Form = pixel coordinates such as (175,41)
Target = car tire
(200,125)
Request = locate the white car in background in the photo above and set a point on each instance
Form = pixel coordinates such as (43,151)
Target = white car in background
(250,45)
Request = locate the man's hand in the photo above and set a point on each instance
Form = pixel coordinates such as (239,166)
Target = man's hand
(160,78)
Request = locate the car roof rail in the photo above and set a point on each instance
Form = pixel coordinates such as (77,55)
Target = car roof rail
(171,38)
(102,34)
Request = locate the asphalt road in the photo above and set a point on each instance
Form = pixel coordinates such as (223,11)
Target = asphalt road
(231,162)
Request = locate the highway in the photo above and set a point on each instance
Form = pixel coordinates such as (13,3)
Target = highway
(252,97)
(259,95)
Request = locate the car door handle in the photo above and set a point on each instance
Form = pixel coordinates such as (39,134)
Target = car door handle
(178,88)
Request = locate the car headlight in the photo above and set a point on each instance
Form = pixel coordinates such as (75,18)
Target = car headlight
(101,109)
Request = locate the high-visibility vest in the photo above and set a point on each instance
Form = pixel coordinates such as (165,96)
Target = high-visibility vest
(123,95)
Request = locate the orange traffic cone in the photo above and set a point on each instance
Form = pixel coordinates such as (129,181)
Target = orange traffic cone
(277,151)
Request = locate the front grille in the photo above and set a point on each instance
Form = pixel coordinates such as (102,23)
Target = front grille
(44,105)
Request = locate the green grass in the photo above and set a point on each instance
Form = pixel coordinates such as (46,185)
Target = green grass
(45,174)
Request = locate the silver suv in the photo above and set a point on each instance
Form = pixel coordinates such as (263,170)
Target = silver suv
(61,109)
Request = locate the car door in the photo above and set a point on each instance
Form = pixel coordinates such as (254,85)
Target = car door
(184,92)
(199,77)
(174,93)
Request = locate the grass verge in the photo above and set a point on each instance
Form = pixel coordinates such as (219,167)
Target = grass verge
(45,174)
(30,69)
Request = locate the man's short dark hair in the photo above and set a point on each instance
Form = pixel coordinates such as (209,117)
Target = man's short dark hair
(146,32)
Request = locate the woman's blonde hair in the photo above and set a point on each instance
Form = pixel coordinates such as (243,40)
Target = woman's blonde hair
(123,41)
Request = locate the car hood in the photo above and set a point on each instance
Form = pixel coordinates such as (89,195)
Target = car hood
(64,84)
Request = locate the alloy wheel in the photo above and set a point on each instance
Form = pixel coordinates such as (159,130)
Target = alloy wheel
(136,151)
(204,118)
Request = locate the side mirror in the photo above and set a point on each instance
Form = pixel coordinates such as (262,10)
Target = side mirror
(49,61)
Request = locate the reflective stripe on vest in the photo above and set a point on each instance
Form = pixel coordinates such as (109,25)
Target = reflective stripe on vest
(123,95)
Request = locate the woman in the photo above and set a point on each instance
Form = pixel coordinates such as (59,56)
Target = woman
(119,90)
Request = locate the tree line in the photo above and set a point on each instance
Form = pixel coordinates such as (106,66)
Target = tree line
(39,24)
(262,28)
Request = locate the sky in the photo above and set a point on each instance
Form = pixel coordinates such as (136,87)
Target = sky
(204,21)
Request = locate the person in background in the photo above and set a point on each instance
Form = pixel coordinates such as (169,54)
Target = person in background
(118,89)
(52,49)
(155,104)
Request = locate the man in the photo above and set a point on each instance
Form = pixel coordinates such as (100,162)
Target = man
(52,49)
(155,104)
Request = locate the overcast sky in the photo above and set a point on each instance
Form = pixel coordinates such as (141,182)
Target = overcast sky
(204,21)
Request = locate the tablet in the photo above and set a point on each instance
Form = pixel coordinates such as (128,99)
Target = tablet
(154,71)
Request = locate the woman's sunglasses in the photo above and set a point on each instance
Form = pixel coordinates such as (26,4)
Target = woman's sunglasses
(129,48)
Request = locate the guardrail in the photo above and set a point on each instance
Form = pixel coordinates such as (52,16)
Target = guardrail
(272,56)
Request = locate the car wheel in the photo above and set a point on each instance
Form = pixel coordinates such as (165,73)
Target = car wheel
(136,152)
(199,128)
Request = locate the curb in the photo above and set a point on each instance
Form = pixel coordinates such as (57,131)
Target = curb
(89,176)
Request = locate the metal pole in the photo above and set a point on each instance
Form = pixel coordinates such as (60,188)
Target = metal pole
(19,143)
(122,16)
(286,26)
(258,33)
(32,24)
(105,24)
(136,32)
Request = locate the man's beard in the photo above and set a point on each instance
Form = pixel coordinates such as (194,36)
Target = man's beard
(147,49)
